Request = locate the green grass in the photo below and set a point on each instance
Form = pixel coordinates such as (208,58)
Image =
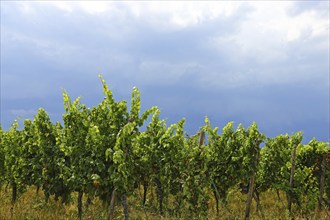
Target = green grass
(32,206)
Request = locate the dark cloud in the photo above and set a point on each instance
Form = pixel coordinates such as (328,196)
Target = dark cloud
(208,68)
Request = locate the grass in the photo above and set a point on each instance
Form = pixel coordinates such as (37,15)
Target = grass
(32,206)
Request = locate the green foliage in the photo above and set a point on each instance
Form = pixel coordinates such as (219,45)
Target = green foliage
(73,144)
(13,162)
(102,149)
(309,159)
(275,156)
(197,182)
(2,157)
(52,159)
(31,156)
(251,149)
(275,165)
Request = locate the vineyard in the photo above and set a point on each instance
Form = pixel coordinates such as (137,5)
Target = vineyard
(101,155)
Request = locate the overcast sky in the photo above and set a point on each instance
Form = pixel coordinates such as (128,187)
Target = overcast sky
(266,62)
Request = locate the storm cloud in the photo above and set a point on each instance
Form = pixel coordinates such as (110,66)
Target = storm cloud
(231,61)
